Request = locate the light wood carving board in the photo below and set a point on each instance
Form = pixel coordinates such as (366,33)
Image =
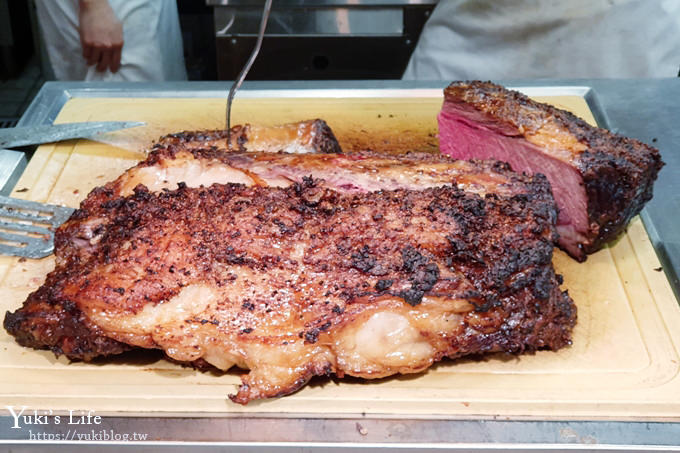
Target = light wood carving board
(623,364)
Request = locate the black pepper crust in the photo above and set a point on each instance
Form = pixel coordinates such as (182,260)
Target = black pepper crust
(316,135)
(324,140)
(493,251)
(52,322)
(618,172)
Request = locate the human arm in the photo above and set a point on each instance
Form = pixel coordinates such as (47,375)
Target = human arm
(101,34)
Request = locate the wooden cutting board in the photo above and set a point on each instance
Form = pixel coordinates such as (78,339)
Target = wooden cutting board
(623,364)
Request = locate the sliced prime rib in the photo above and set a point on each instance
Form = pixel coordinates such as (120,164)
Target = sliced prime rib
(600,180)
(358,172)
(375,266)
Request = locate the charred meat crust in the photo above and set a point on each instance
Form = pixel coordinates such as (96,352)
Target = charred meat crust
(321,138)
(618,172)
(48,321)
(324,140)
(617,188)
(500,248)
(477,244)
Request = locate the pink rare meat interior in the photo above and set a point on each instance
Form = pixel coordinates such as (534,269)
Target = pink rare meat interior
(463,138)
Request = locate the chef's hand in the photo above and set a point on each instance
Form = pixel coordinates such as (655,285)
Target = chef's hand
(101,34)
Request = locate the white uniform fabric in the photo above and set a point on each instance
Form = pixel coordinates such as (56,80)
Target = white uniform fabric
(511,39)
(152,47)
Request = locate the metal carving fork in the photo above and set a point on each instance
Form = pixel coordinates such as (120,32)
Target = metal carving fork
(242,75)
(27,227)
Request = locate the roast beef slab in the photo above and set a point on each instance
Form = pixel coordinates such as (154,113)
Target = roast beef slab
(600,180)
(385,267)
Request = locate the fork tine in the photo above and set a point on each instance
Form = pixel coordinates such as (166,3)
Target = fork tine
(28,251)
(25,204)
(12,250)
(20,238)
(19,215)
(17,241)
(27,228)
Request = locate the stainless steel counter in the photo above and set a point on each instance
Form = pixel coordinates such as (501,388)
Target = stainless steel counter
(647,110)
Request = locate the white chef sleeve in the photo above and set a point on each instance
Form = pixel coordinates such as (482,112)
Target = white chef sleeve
(152,48)
(510,39)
